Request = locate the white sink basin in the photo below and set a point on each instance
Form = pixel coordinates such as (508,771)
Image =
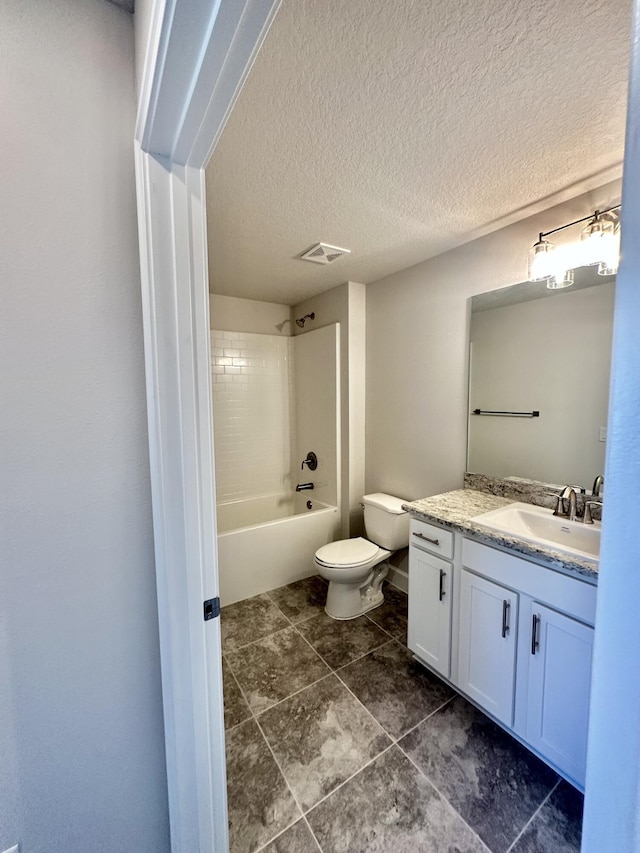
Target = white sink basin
(539,525)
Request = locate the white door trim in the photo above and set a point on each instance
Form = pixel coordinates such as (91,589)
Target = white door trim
(198,56)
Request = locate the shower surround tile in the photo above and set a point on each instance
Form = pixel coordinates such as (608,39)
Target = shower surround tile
(236,709)
(321,737)
(301,599)
(557,828)
(394,688)
(390,806)
(487,776)
(342,641)
(249,620)
(259,802)
(392,615)
(297,839)
(271,669)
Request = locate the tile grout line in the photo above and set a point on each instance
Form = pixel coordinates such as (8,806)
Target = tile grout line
(233,675)
(291,695)
(282,773)
(379,725)
(277,763)
(279,835)
(353,775)
(313,835)
(228,652)
(355,660)
(443,798)
(424,719)
(255,714)
(524,828)
(348,663)
(334,671)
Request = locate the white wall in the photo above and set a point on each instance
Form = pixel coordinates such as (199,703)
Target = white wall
(346,305)
(553,355)
(81,734)
(232,314)
(417,326)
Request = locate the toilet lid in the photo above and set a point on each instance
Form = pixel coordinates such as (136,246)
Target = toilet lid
(347,552)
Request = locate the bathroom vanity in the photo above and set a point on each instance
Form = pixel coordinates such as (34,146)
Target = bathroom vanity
(507,621)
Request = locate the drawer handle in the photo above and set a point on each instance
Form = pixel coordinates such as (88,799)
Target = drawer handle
(506,606)
(535,632)
(426,538)
(442,593)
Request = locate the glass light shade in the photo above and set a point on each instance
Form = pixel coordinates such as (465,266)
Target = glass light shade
(596,240)
(609,264)
(541,260)
(562,278)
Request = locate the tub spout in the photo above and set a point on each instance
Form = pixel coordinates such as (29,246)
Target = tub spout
(302,487)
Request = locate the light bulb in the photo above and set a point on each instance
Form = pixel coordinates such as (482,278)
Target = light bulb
(596,237)
(541,260)
(611,258)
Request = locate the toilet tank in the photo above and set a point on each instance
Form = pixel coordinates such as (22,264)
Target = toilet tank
(386,523)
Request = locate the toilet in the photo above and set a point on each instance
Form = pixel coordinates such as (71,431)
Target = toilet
(355,568)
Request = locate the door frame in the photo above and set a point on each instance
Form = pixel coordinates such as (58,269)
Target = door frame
(197,57)
(198,54)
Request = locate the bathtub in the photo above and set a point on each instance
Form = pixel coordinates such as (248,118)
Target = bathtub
(267,542)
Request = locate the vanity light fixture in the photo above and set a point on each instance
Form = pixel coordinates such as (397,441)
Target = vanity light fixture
(599,244)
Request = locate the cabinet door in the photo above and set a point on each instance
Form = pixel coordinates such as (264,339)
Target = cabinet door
(430,610)
(559,686)
(487,651)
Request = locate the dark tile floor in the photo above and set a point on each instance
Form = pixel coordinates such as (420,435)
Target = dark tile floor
(339,742)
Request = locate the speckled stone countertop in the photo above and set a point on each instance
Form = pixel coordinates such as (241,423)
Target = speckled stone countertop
(457,510)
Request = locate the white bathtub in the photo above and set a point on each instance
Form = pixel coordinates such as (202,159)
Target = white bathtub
(267,542)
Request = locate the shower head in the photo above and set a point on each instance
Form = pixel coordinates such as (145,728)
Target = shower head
(301,321)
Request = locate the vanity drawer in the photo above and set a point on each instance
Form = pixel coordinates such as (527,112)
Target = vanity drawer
(430,538)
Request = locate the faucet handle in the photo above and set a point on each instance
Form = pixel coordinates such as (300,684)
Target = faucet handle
(559,498)
(588,518)
(311,461)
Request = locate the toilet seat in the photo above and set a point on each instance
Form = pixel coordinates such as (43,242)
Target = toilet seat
(347,553)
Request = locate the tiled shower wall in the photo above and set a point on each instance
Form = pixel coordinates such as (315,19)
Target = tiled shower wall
(253,405)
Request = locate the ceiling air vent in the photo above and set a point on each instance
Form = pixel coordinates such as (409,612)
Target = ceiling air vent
(322,253)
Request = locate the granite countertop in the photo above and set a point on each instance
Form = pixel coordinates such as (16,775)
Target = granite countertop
(457,510)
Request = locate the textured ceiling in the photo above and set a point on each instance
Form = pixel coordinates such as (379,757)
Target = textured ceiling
(400,130)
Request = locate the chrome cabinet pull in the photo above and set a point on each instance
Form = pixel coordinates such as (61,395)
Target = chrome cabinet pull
(426,538)
(506,606)
(535,631)
(442,593)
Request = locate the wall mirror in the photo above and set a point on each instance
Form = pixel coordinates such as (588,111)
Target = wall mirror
(534,350)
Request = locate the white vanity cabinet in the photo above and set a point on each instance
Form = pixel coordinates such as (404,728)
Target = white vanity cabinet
(430,600)
(559,681)
(513,636)
(487,644)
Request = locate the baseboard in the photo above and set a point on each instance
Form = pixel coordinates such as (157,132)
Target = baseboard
(398,578)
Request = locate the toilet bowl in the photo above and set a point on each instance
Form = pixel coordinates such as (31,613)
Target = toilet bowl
(355,568)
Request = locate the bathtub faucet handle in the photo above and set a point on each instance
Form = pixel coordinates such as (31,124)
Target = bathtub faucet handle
(311,461)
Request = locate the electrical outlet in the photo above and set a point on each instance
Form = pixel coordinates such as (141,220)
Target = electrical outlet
(14,849)
(603,434)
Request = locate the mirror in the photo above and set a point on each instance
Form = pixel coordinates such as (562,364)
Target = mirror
(546,351)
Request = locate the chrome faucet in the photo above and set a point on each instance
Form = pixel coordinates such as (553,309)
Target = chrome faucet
(598,484)
(567,505)
(302,487)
